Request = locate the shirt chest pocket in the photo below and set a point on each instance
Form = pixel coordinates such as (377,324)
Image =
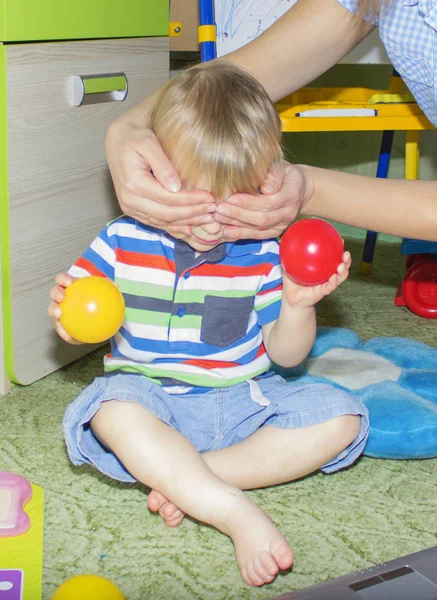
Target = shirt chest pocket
(225,320)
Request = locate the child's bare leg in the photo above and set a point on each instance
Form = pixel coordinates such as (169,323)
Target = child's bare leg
(162,458)
(271,456)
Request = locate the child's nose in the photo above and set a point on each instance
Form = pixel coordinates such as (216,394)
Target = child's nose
(212,228)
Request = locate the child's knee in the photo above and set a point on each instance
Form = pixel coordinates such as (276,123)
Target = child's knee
(100,422)
(113,418)
(345,429)
(106,411)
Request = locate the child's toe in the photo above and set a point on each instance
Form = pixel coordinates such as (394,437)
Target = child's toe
(282,554)
(252,578)
(268,564)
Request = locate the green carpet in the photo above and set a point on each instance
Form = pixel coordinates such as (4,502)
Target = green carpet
(370,513)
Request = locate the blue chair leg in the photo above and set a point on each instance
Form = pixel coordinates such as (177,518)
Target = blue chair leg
(382,171)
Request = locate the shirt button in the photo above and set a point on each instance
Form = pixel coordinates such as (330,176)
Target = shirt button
(187,275)
(181,311)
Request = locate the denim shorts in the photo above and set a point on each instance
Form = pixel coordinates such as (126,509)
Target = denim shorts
(214,419)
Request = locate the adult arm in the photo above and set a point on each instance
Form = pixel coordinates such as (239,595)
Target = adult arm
(311,37)
(308,39)
(393,206)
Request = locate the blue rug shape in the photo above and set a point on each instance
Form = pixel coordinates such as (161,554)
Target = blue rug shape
(396,378)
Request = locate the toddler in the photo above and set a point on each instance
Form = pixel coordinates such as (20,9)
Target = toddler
(189,405)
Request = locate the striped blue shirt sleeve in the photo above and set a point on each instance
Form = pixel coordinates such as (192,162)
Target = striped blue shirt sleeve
(98,259)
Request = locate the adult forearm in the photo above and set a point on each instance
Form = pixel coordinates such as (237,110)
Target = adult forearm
(393,206)
(285,57)
(311,37)
(292,335)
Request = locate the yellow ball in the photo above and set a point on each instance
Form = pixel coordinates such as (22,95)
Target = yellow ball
(87,587)
(93,309)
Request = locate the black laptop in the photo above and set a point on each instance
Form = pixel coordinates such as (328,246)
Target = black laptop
(411,577)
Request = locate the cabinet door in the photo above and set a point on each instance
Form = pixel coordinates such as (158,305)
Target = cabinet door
(60,190)
(40,20)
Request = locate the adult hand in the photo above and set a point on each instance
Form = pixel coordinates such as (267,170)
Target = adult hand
(268,214)
(147,185)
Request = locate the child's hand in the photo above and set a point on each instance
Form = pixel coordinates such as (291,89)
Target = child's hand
(57,295)
(308,295)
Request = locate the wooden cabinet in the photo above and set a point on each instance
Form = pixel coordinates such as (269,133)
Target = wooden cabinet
(55,191)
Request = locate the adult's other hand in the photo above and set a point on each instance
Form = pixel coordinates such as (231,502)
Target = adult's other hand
(147,186)
(269,213)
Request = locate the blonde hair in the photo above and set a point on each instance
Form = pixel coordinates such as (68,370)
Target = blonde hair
(219,128)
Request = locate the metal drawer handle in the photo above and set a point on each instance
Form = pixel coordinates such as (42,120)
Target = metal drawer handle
(93,89)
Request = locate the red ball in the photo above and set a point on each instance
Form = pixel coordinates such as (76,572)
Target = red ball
(311,251)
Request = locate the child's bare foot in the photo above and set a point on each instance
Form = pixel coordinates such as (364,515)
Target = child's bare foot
(261,549)
(169,512)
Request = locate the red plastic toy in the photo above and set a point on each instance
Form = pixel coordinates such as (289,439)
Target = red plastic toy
(418,291)
(310,251)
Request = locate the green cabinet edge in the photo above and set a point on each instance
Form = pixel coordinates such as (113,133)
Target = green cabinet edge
(33,20)
(5,258)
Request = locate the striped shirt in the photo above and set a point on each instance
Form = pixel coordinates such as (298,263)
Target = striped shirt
(408,30)
(189,321)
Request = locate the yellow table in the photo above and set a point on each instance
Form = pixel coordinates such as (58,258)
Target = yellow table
(387,110)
